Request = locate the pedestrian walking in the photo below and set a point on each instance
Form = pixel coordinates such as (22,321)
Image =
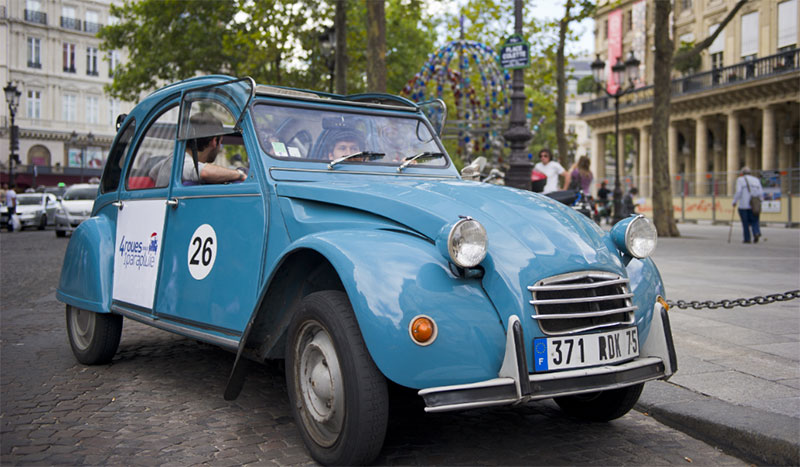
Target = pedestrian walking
(11,205)
(628,203)
(748,196)
(550,168)
(579,177)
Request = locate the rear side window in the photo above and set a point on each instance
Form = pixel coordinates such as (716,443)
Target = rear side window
(151,164)
(116,159)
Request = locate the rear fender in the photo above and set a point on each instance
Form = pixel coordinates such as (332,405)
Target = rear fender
(88,269)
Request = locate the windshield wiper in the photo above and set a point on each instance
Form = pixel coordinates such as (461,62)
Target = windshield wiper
(423,155)
(368,154)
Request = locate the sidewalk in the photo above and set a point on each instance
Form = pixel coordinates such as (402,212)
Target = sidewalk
(738,382)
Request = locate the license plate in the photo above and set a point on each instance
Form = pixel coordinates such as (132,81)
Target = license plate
(558,353)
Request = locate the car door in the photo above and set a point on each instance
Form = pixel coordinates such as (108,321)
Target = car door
(215,234)
(141,209)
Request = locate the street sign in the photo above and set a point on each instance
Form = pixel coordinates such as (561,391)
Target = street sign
(515,53)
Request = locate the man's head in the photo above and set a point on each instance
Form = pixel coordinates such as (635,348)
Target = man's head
(345,142)
(746,170)
(545,156)
(634,191)
(209,130)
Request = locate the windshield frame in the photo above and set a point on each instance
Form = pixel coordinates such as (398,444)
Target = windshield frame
(353,108)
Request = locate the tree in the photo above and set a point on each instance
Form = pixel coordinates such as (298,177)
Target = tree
(340,54)
(586,9)
(376,46)
(663,213)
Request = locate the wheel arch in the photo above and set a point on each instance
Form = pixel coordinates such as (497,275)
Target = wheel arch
(87,272)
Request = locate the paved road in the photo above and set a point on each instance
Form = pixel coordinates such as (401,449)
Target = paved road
(160,402)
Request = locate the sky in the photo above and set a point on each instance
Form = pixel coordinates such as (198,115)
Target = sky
(541,9)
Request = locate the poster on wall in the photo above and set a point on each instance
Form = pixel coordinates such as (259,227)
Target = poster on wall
(771,181)
(94,157)
(74,157)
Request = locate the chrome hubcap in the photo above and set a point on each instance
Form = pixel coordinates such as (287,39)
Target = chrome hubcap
(82,327)
(319,383)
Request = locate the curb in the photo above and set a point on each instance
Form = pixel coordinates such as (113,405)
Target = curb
(749,433)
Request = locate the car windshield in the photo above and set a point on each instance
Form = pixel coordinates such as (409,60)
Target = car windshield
(29,200)
(315,134)
(80,193)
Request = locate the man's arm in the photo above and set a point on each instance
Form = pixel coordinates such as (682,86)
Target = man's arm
(211,173)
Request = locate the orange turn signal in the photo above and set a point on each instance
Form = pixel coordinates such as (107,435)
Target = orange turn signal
(422,330)
(663,302)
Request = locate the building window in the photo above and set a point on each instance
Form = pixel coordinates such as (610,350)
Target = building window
(34,13)
(686,5)
(605,29)
(34,105)
(92,23)
(113,62)
(749,37)
(34,52)
(629,21)
(91,61)
(716,60)
(68,53)
(92,109)
(113,111)
(68,107)
(68,19)
(787,25)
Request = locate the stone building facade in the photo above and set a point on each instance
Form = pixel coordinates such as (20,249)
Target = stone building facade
(739,106)
(50,51)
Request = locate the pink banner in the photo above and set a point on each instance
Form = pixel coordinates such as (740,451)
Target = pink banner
(614,48)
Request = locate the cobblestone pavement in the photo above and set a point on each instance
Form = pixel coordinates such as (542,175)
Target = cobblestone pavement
(160,402)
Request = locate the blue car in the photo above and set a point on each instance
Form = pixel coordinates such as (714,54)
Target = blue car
(335,233)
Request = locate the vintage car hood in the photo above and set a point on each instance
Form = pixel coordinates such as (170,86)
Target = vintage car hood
(527,231)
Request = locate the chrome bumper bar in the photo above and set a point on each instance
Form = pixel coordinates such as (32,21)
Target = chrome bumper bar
(514,385)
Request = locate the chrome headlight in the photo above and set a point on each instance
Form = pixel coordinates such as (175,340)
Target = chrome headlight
(636,236)
(464,242)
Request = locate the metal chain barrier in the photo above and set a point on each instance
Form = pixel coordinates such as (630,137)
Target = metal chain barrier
(728,304)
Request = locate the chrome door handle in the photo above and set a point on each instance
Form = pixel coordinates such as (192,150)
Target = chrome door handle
(118,204)
(172,202)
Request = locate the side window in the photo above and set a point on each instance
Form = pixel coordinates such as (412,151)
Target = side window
(116,159)
(151,164)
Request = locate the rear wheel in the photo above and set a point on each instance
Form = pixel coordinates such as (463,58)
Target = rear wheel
(338,396)
(94,337)
(61,233)
(601,406)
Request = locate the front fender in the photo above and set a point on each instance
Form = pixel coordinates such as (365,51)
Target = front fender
(390,278)
(87,273)
(646,285)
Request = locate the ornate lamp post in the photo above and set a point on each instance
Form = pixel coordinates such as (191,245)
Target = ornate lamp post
(623,72)
(12,97)
(519,173)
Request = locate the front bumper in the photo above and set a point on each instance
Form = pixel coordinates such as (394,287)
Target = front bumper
(657,360)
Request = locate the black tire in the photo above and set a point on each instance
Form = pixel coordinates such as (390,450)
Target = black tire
(94,337)
(61,233)
(324,341)
(42,223)
(601,406)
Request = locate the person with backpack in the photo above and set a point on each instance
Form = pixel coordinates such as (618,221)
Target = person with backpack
(748,196)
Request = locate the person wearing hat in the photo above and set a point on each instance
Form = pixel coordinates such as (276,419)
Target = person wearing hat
(344,142)
(206,148)
(747,188)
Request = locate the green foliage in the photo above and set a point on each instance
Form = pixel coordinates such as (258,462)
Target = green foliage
(691,64)
(586,85)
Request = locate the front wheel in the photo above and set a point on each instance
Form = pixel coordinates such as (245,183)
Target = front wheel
(94,337)
(601,406)
(61,233)
(339,397)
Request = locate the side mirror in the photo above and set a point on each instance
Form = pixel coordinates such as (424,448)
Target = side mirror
(436,112)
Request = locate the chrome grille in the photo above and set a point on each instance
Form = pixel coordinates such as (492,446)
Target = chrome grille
(582,301)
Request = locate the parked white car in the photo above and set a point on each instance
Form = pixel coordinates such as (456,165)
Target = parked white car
(75,207)
(36,209)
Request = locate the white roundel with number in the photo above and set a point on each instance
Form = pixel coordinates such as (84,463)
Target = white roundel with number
(202,251)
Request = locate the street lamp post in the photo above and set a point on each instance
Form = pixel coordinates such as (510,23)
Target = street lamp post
(519,172)
(12,97)
(327,41)
(627,71)
(89,142)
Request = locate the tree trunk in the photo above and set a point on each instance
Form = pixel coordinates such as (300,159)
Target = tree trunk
(663,213)
(340,53)
(561,94)
(376,46)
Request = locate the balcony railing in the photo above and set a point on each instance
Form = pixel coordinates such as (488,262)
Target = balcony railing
(34,16)
(69,69)
(749,70)
(70,23)
(92,73)
(37,65)
(91,28)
